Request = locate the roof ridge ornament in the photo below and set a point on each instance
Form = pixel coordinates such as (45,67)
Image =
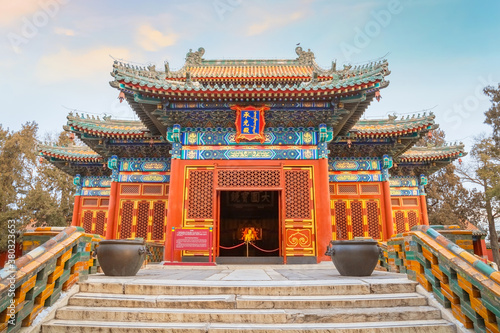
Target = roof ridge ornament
(305,57)
(195,58)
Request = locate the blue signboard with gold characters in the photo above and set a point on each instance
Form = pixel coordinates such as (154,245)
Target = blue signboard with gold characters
(250,123)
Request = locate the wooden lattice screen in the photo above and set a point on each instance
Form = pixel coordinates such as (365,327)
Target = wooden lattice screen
(356,218)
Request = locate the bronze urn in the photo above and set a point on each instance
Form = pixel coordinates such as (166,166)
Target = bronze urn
(357,257)
(121,257)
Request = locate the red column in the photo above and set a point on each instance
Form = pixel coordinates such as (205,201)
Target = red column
(112,209)
(388,223)
(323,212)
(423,209)
(175,203)
(75,222)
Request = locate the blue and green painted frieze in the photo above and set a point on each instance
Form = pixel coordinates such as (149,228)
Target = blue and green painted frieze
(404,186)
(141,178)
(96,181)
(92,192)
(354,164)
(354,177)
(226,136)
(145,164)
(250,153)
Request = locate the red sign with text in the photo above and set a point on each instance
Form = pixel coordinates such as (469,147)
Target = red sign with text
(192,239)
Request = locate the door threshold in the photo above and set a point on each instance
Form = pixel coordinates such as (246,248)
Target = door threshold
(249,260)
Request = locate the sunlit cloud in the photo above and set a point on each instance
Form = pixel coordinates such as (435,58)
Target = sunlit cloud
(64,31)
(12,11)
(77,64)
(273,22)
(151,39)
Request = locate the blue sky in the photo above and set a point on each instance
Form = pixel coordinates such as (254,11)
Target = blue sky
(56,54)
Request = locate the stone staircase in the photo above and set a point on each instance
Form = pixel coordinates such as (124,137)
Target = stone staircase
(345,305)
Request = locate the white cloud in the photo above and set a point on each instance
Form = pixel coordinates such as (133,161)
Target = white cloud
(151,39)
(78,64)
(64,31)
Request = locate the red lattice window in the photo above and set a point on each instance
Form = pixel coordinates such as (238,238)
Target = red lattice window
(332,189)
(167,190)
(90,202)
(372,217)
(100,220)
(347,189)
(395,201)
(87,221)
(412,219)
(341,219)
(410,202)
(130,189)
(357,218)
(400,222)
(104,202)
(248,178)
(200,194)
(158,220)
(370,189)
(142,219)
(127,217)
(152,189)
(297,194)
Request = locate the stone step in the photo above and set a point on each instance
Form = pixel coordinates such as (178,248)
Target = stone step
(248,301)
(420,326)
(253,316)
(270,288)
(151,301)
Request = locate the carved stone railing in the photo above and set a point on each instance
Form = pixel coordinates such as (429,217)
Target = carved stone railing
(458,279)
(58,258)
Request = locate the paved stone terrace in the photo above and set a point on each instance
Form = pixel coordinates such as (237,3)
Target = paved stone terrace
(229,274)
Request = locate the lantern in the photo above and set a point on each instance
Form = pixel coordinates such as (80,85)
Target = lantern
(349,143)
(377,95)
(429,134)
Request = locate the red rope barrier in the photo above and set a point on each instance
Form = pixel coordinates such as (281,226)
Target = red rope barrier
(258,248)
(232,247)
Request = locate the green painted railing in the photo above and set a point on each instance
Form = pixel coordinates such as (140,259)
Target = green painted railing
(156,252)
(59,258)
(458,279)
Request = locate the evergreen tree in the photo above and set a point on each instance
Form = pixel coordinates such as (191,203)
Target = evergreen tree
(31,190)
(17,173)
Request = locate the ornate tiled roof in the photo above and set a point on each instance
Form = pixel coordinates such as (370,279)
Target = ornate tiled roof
(393,126)
(73,153)
(421,154)
(274,76)
(106,127)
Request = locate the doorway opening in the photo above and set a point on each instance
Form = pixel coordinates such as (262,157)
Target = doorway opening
(251,215)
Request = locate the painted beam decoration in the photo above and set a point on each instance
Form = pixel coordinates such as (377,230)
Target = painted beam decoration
(250,123)
(96,181)
(226,136)
(354,177)
(352,164)
(404,186)
(144,178)
(145,164)
(252,152)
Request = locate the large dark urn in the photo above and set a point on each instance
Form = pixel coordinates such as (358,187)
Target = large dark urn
(121,257)
(354,257)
